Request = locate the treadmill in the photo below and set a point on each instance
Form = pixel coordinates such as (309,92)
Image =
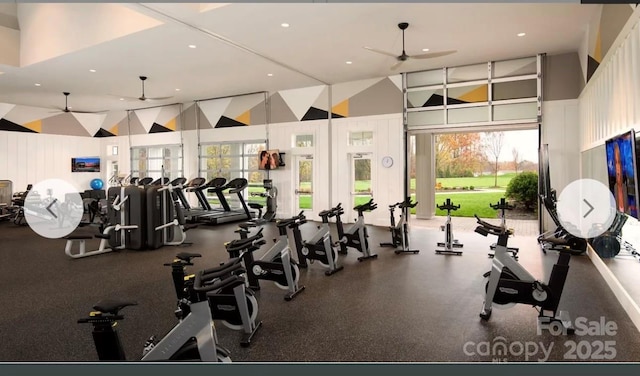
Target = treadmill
(225,213)
(194,185)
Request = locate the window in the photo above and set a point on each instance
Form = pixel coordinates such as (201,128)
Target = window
(149,161)
(303,141)
(232,160)
(360,138)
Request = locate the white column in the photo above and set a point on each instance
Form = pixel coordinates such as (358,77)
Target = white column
(425,176)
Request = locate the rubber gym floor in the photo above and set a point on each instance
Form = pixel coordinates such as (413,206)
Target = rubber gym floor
(398,308)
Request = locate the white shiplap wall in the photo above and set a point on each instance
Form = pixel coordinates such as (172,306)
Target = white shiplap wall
(28,158)
(387,183)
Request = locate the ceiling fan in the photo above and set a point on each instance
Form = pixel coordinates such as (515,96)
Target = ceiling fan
(68,109)
(404,57)
(143,97)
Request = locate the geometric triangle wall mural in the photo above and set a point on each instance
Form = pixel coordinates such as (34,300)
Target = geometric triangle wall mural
(6,125)
(157,128)
(103,133)
(225,122)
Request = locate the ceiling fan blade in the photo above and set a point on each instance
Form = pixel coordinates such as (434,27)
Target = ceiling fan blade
(430,55)
(397,65)
(380,51)
(88,112)
(155,99)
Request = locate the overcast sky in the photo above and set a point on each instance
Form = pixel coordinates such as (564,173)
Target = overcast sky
(525,141)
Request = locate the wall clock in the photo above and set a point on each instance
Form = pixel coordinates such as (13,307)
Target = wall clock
(387,161)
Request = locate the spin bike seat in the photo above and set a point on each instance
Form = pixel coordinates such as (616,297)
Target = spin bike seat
(112,306)
(187,256)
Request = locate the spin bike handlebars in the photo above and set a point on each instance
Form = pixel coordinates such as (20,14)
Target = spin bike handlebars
(403,204)
(296,220)
(448,206)
(487,228)
(366,207)
(502,205)
(239,244)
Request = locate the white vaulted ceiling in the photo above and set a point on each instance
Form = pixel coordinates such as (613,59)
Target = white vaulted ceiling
(239,44)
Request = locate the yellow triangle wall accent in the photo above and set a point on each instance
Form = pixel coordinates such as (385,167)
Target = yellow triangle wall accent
(34,126)
(114,130)
(171,124)
(245,118)
(476,95)
(341,108)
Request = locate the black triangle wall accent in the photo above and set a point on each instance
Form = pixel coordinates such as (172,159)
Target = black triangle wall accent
(315,114)
(434,100)
(438,100)
(336,116)
(103,133)
(157,128)
(225,122)
(592,65)
(6,125)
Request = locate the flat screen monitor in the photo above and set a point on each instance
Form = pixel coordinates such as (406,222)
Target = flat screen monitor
(85,164)
(269,159)
(622,172)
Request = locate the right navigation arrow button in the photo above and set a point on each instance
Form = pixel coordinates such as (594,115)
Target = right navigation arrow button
(590,208)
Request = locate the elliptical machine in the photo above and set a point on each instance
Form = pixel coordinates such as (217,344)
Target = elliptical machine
(319,247)
(449,242)
(271,194)
(356,236)
(400,231)
(510,283)
(503,205)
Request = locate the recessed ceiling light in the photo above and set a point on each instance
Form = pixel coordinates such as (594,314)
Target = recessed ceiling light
(92,70)
(192,46)
(121,99)
(284,24)
(425,49)
(38,85)
(349,62)
(522,34)
(177,89)
(270,74)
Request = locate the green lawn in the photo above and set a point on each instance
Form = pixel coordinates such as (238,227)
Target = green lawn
(485,181)
(470,203)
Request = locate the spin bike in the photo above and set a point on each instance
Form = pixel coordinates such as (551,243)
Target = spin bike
(510,283)
(275,265)
(449,242)
(193,337)
(400,231)
(319,247)
(235,305)
(503,205)
(356,236)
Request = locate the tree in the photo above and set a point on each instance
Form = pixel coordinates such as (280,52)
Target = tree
(516,156)
(458,154)
(493,144)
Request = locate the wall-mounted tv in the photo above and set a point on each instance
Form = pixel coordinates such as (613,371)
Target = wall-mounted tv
(622,172)
(269,159)
(85,164)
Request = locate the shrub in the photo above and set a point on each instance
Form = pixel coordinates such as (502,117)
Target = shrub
(523,188)
(465,188)
(471,187)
